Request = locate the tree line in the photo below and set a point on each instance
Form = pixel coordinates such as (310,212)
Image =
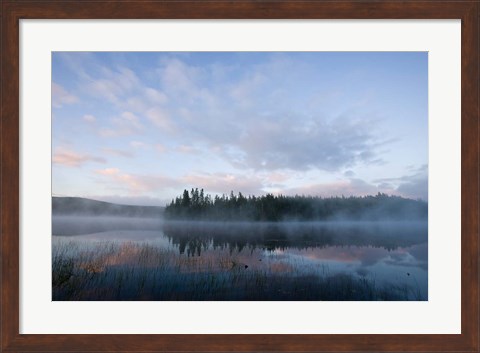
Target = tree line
(197,205)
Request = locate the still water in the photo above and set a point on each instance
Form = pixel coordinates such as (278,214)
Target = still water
(148,259)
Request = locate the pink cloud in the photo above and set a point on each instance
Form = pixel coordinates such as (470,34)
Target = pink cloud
(277,177)
(160,148)
(89,118)
(224,183)
(136,184)
(108,171)
(70,158)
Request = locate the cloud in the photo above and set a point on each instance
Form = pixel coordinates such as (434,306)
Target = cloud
(247,118)
(135,184)
(296,143)
(224,183)
(76,62)
(160,148)
(250,116)
(138,144)
(89,118)
(113,85)
(188,85)
(125,91)
(117,152)
(108,171)
(119,86)
(415,188)
(226,114)
(243,91)
(66,157)
(135,104)
(125,124)
(275,177)
(185,149)
(178,76)
(350,187)
(414,185)
(61,97)
(160,118)
(221,183)
(201,106)
(155,96)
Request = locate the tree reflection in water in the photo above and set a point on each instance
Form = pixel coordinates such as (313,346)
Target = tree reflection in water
(194,237)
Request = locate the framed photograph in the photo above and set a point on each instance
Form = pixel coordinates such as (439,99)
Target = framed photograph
(247,176)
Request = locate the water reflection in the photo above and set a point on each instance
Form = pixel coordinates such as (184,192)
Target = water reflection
(193,238)
(385,255)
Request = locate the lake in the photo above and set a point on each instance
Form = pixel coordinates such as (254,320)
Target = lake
(98,258)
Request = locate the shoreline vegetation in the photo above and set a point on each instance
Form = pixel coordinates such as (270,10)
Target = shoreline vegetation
(197,205)
(127,271)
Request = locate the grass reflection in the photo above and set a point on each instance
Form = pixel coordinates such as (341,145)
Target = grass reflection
(105,270)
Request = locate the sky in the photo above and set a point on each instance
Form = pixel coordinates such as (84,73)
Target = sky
(140,127)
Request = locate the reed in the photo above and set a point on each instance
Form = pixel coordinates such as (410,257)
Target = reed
(143,271)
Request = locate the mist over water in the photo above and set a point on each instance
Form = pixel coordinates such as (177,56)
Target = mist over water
(389,260)
(81,225)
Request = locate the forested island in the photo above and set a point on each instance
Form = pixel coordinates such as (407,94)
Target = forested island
(197,205)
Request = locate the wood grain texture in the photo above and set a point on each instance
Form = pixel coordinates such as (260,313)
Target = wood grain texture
(9,175)
(188,9)
(12,11)
(470,175)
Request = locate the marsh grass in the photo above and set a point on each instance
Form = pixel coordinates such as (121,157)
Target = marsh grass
(143,271)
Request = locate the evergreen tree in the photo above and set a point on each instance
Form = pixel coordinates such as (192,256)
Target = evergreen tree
(198,205)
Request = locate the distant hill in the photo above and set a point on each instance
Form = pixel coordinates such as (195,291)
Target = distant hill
(86,207)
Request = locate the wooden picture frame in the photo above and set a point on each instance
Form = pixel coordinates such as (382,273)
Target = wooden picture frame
(13,11)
